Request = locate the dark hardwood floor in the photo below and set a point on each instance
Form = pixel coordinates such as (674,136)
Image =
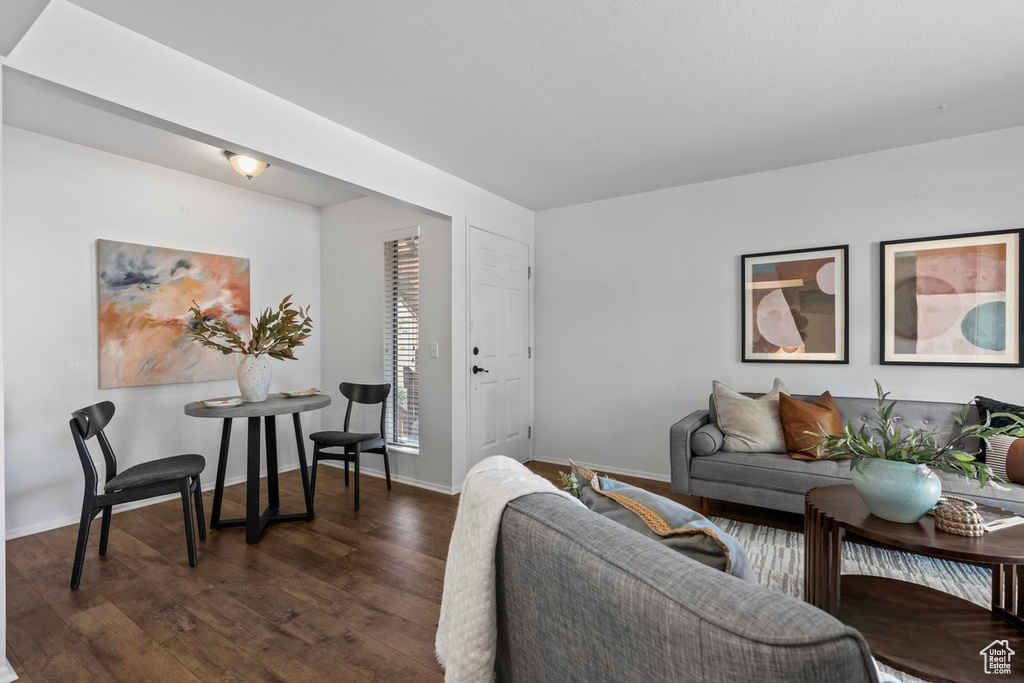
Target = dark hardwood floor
(351,596)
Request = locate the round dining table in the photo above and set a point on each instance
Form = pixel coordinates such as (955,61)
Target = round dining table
(228,409)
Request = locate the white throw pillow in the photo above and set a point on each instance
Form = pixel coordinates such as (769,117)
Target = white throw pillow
(750,425)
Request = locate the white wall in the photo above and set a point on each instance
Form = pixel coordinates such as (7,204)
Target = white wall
(58,199)
(353,335)
(638,297)
(72,47)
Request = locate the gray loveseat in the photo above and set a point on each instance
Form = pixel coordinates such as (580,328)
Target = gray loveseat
(776,481)
(582,598)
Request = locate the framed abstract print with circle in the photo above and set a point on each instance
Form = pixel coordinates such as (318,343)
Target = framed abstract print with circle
(952,300)
(795,306)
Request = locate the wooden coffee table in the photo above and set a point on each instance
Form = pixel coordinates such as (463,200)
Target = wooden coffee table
(916,629)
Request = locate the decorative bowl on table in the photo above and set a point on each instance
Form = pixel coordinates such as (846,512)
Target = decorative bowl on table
(221,402)
(312,391)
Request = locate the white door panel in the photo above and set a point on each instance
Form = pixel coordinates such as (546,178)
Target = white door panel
(499,335)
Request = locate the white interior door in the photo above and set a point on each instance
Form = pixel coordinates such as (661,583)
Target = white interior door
(499,354)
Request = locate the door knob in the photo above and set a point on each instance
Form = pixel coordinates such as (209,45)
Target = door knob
(477,369)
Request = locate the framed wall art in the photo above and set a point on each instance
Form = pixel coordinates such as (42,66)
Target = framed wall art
(144,296)
(795,306)
(952,300)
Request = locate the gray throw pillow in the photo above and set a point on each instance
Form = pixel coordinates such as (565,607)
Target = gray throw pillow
(706,440)
(670,523)
(750,425)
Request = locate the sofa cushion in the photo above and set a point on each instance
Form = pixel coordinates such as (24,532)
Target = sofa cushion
(706,440)
(750,425)
(775,471)
(1011,499)
(664,520)
(820,416)
(779,472)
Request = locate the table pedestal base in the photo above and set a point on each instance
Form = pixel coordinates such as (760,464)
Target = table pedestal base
(255,522)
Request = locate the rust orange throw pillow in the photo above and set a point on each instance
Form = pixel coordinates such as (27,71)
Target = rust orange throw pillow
(820,415)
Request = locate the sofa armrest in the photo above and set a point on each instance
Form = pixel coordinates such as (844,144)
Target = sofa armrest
(679,449)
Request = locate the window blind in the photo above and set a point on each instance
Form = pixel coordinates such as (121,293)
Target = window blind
(402,339)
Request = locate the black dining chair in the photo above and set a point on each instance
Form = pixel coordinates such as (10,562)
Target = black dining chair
(352,444)
(176,474)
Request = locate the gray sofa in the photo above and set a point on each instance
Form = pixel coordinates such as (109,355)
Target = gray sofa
(582,598)
(776,481)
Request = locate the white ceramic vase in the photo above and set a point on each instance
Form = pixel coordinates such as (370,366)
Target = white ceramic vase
(254,378)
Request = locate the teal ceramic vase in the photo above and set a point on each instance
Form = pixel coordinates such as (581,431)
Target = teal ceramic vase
(897,491)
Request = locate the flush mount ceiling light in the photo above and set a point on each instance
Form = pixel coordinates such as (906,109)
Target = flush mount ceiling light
(247,166)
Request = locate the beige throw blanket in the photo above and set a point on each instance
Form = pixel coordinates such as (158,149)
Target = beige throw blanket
(467,632)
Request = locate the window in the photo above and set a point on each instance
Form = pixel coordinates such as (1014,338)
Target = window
(402,339)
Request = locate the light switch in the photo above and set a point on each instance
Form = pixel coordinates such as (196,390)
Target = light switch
(434,351)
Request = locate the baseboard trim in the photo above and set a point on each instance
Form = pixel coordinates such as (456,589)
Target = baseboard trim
(7,672)
(379,474)
(597,467)
(30,529)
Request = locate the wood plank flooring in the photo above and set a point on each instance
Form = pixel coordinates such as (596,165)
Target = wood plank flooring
(351,596)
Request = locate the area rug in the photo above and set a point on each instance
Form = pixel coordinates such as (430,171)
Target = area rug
(778,560)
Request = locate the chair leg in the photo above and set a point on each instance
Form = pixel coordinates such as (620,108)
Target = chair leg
(83,541)
(312,473)
(387,468)
(190,535)
(346,474)
(197,494)
(355,461)
(105,530)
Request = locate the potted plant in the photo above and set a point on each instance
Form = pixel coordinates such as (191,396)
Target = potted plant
(274,334)
(893,464)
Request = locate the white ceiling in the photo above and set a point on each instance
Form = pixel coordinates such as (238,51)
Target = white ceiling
(17,17)
(554,102)
(31,105)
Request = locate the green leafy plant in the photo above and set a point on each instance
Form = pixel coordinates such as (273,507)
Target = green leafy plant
(571,484)
(274,333)
(884,438)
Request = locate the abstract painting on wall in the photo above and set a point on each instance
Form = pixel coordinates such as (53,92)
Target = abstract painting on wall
(795,306)
(144,296)
(952,300)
